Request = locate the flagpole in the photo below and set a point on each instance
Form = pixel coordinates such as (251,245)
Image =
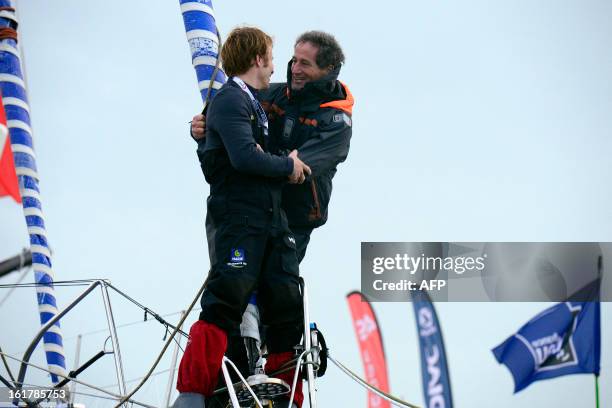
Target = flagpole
(15,102)
(204,43)
(596,391)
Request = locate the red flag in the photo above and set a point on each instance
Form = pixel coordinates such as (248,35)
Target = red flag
(371,347)
(8,178)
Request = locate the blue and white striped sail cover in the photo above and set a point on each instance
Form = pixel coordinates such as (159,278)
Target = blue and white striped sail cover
(201,29)
(15,103)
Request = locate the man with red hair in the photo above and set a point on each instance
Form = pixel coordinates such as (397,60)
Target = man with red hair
(253,245)
(311,112)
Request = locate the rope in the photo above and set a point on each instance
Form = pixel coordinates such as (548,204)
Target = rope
(392,399)
(296,375)
(180,323)
(246,384)
(288,366)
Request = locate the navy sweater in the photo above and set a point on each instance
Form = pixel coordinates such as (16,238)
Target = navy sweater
(229,126)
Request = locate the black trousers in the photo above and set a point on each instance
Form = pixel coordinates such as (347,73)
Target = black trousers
(254,251)
(302,238)
(236,350)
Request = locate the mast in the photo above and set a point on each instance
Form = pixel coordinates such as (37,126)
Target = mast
(15,101)
(204,41)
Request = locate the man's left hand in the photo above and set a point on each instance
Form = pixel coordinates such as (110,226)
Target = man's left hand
(198,124)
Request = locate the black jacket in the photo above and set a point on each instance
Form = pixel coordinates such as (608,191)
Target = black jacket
(317,122)
(241,177)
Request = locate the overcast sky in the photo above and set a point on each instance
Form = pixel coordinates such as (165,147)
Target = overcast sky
(474,121)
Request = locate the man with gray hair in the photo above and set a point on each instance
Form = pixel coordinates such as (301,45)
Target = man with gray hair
(311,112)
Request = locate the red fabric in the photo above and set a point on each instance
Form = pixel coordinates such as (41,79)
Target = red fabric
(8,179)
(274,362)
(371,347)
(201,362)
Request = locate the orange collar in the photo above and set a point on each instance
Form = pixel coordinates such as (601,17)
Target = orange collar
(345,105)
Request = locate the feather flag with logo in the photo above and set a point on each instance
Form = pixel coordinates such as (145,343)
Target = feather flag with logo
(371,347)
(434,368)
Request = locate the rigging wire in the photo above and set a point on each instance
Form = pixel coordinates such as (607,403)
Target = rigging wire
(163,351)
(133,323)
(12,388)
(77,392)
(147,311)
(86,394)
(95,395)
(128,324)
(105,330)
(6,366)
(76,282)
(98,331)
(103,397)
(167,370)
(392,399)
(160,318)
(21,277)
(117,396)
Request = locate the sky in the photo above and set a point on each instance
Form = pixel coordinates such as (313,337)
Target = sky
(473,121)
